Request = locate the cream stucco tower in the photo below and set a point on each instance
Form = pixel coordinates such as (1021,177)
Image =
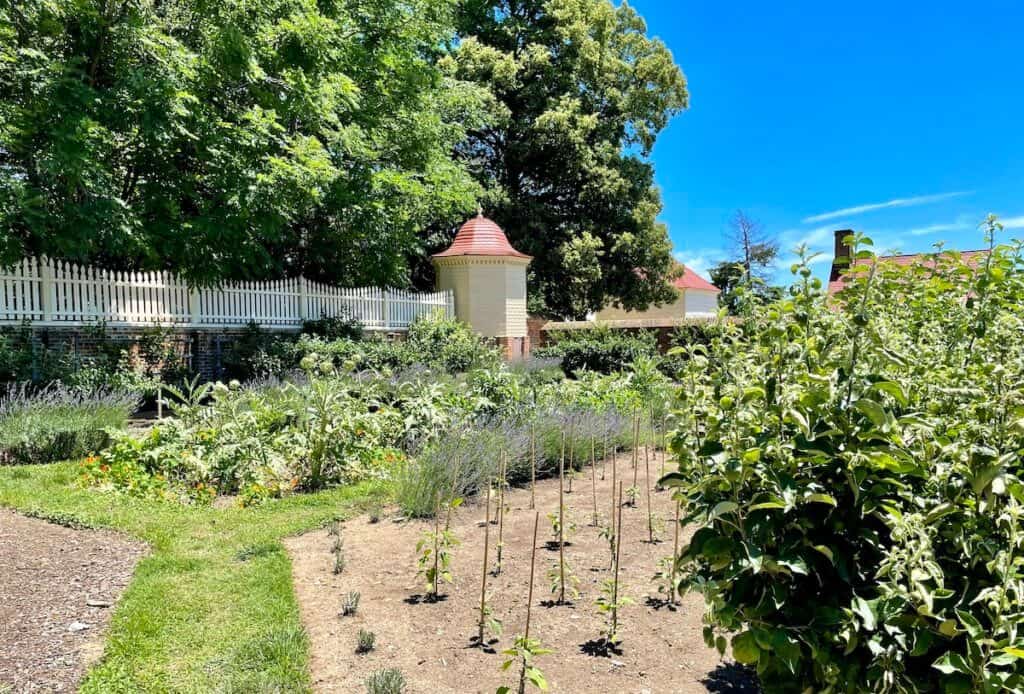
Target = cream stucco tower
(488,278)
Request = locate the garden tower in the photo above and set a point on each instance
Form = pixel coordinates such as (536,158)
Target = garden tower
(488,278)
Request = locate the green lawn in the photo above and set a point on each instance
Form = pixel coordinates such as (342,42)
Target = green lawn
(211,608)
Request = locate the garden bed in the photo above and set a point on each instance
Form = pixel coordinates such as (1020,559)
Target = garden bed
(57,590)
(662,648)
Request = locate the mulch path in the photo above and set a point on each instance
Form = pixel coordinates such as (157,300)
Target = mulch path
(662,652)
(58,586)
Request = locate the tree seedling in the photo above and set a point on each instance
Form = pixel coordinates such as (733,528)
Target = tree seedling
(559,532)
(367,640)
(350,604)
(434,549)
(486,620)
(632,494)
(503,462)
(564,581)
(525,649)
(610,601)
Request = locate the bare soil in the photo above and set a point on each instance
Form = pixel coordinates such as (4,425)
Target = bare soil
(57,590)
(662,649)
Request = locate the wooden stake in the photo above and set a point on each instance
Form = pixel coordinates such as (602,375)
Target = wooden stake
(437,538)
(533,465)
(618,556)
(503,461)
(533,561)
(636,446)
(561,525)
(593,478)
(675,555)
(650,515)
(572,451)
(664,444)
(483,579)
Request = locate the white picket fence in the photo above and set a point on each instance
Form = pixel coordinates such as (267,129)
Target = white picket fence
(56,293)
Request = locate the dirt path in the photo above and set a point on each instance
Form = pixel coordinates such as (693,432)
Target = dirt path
(662,651)
(57,589)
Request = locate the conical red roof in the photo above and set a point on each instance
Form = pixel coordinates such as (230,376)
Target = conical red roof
(481,236)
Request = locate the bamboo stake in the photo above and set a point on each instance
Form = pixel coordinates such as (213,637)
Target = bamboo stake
(604,455)
(533,465)
(618,556)
(650,515)
(451,496)
(437,528)
(675,555)
(483,579)
(664,444)
(593,478)
(561,525)
(501,509)
(636,446)
(572,451)
(533,561)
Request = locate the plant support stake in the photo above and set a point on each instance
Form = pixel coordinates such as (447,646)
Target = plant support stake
(483,579)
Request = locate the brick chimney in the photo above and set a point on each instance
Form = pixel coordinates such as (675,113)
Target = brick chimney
(841,259)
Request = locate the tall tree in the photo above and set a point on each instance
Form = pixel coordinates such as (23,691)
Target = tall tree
(754,253)
(579,94)
(230,138)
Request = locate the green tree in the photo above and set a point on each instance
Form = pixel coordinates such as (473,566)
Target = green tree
(578,95)
(230,139)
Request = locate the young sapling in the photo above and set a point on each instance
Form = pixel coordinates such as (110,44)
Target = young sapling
(609,601)
(632,494)
(525,649)
(485,612)
(434,549)
(502,462)
(647,484)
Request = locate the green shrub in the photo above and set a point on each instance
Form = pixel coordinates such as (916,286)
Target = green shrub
(58,423)
(343,327)
(852,469)
(388,681)
(449,345)
(601,349)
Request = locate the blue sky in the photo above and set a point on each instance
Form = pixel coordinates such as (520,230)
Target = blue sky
(903,119)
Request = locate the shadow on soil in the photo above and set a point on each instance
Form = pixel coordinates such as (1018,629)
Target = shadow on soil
(600,648)
(732,678)
(424,599)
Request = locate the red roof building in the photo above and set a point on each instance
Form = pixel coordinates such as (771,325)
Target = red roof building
(481,237)
(841,260)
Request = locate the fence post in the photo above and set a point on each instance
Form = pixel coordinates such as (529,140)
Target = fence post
(303,298)
(385,305)
(195,306)
(48,289)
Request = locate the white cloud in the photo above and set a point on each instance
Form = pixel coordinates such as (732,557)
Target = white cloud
(1012,223)
(937,228)
(896,202)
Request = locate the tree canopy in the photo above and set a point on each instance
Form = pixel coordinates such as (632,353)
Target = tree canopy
(579,93)
(345,139)
(230,138)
